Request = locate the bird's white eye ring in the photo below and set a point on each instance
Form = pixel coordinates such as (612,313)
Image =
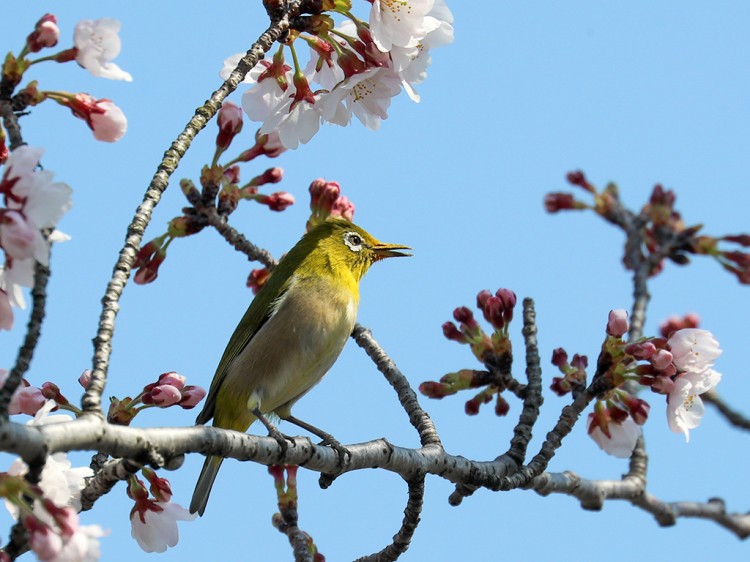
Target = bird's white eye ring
(354,241)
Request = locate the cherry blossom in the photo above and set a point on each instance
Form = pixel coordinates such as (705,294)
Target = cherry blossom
(366,95)
(154,524)
(295,123)
(60,482)
(12,279)
(109,124)
(685,408)
(98,44)
(18,179)
(16,235)
(399,22)
(83,546)
(621,439)
(693,349)
(411,63)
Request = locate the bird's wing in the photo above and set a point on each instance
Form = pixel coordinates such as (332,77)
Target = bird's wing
(260,310)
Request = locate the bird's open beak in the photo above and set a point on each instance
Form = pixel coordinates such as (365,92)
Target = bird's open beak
(389,251)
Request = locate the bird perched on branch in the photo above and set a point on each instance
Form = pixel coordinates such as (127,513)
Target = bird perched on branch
(291,334)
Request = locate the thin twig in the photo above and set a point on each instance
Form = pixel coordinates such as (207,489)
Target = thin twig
(236,239)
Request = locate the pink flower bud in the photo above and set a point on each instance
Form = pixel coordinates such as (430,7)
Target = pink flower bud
(271,175)
(45,34)
(109,124)
(28,401)
(641,350)
(230,124)
(617,324)
(271,144)
(741,239)
(17,235)
(501,406)
(258,278)
(103,117)
(191,396)
(559,357)
(577,178)
(451,332)
(277,201)
(464,315)
(560,386)
(51,391)
(85,378)
(579,361)
(556,202)
(343,208)
(661,359)
(165,396)
(172,379)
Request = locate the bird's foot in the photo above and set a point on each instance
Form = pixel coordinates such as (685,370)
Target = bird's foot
(341,451)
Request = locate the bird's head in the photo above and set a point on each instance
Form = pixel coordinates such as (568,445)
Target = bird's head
(338,245)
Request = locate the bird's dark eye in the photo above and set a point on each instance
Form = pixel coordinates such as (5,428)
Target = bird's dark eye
(353,241)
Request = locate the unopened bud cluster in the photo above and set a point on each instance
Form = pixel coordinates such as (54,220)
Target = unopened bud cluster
(327,202)
(663,230)
(221,188)
(169,390)
(490,349)
(678,365)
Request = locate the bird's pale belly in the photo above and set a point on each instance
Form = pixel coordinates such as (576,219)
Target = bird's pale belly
(290,354)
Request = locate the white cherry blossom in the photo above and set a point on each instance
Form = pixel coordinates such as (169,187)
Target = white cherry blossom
(685,408)
(693,349)
(156,529)
(623,437)
(399,22)
(98,44)
(294,125)
(366,95)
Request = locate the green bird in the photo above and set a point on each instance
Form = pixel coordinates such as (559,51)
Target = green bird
(291,334)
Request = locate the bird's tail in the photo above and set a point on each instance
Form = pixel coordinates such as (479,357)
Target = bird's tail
(204,485)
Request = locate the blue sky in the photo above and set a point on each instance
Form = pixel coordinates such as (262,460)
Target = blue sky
(637,93)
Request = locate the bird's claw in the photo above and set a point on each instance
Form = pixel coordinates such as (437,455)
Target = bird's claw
(341,451)
(282,440)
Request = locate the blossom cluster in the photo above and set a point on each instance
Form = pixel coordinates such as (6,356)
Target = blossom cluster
(221,188)
(360,66)
(663,230)
(49,510)
(96,44)
(169,390)
(494,351)
(153,518)
(679,366)
(32,205)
